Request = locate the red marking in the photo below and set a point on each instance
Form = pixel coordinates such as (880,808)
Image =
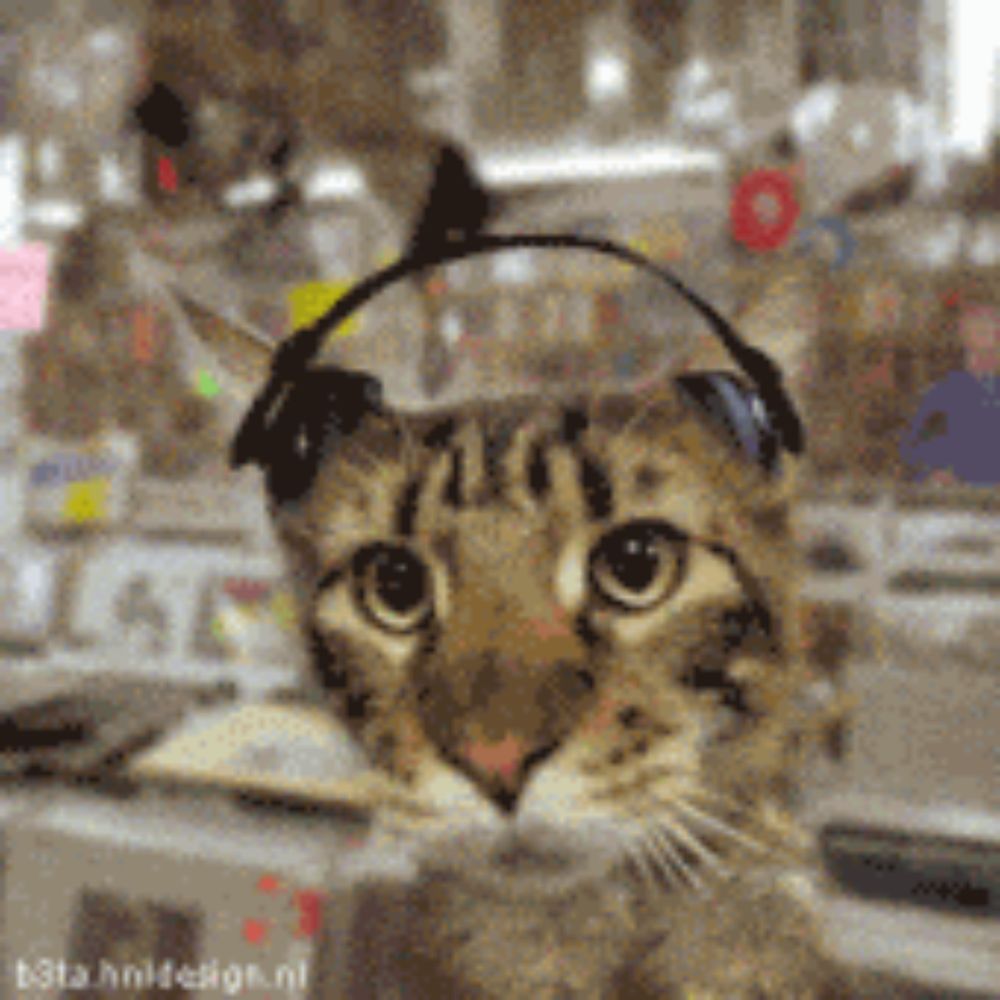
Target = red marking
(554,625)
(501,759)
(952,298)
(255,931)
(246,591)
(749,226)
(310,904)
(269,884)
(143,335)
(166,175)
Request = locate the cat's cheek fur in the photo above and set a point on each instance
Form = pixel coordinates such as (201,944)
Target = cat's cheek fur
(570,579)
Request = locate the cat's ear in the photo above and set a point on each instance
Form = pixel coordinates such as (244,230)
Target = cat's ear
(778,317)
(214,338)
(228,350)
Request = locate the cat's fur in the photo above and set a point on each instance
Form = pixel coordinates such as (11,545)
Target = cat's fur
(661,739)
(669,732)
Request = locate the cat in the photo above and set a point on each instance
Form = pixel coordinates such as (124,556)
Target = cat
(564,630)
(565,635)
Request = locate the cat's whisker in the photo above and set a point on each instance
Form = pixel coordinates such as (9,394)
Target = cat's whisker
(720,826)
(658,869)
(638,857)
(699,848)
(770,847)
(663,847)
(664,876)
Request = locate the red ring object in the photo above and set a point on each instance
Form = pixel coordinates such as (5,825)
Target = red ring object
(748,227)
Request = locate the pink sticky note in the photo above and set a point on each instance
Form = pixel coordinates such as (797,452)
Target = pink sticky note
(24,287)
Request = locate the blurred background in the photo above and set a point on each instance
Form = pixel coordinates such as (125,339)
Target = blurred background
(827,172)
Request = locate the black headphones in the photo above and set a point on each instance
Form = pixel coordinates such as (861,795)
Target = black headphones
(286,427)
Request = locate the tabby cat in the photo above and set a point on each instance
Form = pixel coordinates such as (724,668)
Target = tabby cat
(563,629)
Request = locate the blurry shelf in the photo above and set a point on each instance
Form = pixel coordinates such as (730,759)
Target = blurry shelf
(192,508)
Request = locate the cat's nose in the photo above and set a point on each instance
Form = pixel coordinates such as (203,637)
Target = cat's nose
(500,760)
(501,766)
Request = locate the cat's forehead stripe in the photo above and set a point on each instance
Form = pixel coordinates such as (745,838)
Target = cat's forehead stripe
(595,484)
(406,509)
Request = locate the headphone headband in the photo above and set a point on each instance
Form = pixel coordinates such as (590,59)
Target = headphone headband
(290,364)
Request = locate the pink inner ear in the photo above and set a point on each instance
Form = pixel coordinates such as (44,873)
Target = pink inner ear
(501,759)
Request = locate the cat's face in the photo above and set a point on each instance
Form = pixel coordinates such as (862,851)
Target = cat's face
(560,631)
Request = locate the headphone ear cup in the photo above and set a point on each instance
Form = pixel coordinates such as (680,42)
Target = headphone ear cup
(325,404)
(737,412)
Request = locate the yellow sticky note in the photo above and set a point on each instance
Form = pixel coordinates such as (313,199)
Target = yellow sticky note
(310,301)
(86,500)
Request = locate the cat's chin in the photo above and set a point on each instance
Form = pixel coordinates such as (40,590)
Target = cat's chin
(512,863)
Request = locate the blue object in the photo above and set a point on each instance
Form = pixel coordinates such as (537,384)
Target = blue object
(957,427)
(839,229)
(737,411)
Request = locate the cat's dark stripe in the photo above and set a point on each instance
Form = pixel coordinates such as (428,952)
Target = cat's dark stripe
(751,621)
(590,637)
(453,490)
(407,507)
(357,705)
(723,630)
(537,473)
(574,422)
(441,434)
(337,679)
(497,440)
(329,578)
(765,625)
(330,676)
(596,486)
(715,677)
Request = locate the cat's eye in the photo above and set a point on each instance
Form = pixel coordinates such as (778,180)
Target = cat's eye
(639,564)
(393,587)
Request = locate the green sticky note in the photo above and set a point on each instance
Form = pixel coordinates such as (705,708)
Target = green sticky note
(206,384)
